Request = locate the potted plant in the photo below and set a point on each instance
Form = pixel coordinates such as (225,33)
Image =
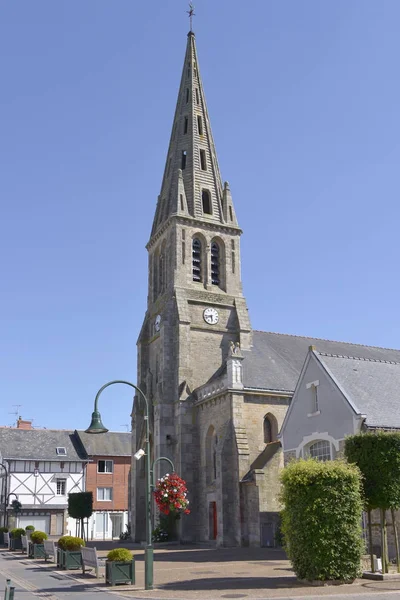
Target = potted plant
(36,546)
(15,538)
(29,529)
(120,567)
(170,494)
(3,530)
(69,553)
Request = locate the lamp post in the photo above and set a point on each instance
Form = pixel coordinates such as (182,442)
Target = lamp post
(5,494)
(96,426)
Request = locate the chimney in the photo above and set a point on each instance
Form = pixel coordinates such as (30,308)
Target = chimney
(21,424)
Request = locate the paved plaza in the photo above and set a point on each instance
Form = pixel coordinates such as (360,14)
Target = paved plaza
(181,573)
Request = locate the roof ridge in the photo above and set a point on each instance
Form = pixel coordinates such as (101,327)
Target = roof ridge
(306,337)
(360,358)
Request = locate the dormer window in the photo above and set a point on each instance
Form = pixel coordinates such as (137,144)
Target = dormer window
(199,125)
(203,160)
(197,96)
(187,95)
(185,125)
(61,450)
(183,160)
(206,202)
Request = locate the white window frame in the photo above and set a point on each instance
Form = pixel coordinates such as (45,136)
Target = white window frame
(313,386)
(105,461)
(326,444)
(63,487)
(101,492)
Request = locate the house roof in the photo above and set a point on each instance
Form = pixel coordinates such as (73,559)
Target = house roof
(112,443)
(373,386)
(275,360)
(38,444)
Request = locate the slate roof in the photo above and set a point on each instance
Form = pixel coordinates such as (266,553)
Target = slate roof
(38,444)
(275,360)
(372,386)
(112,443)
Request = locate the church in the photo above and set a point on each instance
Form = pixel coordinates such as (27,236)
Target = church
(219,391)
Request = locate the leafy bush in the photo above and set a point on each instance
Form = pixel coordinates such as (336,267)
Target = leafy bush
(70,543)
(80,505)
(377,455)
(17,532)
(29,528)
(160,535)
(3,529)
(119,555)
(38,537)
(321,520)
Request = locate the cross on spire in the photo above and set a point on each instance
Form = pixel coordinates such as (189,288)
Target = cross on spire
(191,14)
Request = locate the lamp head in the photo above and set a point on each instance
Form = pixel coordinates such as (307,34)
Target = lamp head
(96,426)
(138,455)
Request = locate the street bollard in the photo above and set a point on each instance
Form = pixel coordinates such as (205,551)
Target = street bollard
(12,590)
(7,589)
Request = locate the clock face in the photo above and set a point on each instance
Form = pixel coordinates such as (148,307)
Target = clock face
(157,323)
(211,316)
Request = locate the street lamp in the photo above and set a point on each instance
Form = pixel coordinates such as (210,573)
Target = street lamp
(96,426)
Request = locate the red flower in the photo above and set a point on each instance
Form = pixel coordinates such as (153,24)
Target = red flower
(170,494)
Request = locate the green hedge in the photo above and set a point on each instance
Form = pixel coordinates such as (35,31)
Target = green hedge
(321,520)
(38,537)
(17,532)
(378,457)
(119,555)
(70,543)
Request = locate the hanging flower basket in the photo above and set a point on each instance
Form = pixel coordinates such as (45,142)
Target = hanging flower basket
(170,494)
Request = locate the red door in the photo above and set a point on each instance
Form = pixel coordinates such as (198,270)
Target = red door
(212,520)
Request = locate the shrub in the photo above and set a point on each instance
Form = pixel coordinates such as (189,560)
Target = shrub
(321,520)
(3,529)
(160,535)
(29,528)
(17,532)
(38,537)
(70,543)
(119,555)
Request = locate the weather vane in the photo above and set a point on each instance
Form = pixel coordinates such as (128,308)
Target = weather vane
(191,14)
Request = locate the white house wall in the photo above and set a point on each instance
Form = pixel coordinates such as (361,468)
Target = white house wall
(335,420)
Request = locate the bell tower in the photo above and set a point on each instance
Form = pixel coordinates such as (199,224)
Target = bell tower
(195,304)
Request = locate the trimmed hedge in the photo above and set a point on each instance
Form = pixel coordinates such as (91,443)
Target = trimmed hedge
(3,529)
(29,528)
(70,543)
(321,520)
(377,455)
(38,537)
(119,555)
(17,532)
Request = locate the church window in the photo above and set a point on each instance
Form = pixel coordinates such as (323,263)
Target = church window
(320,450)
(313,386)
(206,202)
(185,126)
(181,201)
(183,160)
(196,259)
(203,160)
(187,95)
(230,213)
(211,455)
(233,258)
(197,96)
(270,428)
(215,280)
(161,273)
(183,246)
(199,125)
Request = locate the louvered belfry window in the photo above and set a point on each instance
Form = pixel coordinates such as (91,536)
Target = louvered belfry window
(196,259)
(214,263)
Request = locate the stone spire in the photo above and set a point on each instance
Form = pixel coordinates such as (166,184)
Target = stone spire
(191,184)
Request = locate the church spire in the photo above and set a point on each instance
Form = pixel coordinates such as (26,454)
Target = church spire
(192,184)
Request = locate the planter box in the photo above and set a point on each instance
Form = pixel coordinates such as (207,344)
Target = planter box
(69,560)
(36,551)
(120,572)
(2,542)
(15,544)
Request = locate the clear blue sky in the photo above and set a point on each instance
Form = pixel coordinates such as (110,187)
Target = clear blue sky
(304,101)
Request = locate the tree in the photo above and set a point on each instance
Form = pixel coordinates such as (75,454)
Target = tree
(377,455)
(321,519)
(80,507)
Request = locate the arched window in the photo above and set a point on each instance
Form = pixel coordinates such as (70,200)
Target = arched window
(206,202)
(270,428)
(320,450)
(211,455)
(215,266)
(196,259)
(267,431)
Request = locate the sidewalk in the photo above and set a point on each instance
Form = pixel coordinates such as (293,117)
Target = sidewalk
(188,573)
